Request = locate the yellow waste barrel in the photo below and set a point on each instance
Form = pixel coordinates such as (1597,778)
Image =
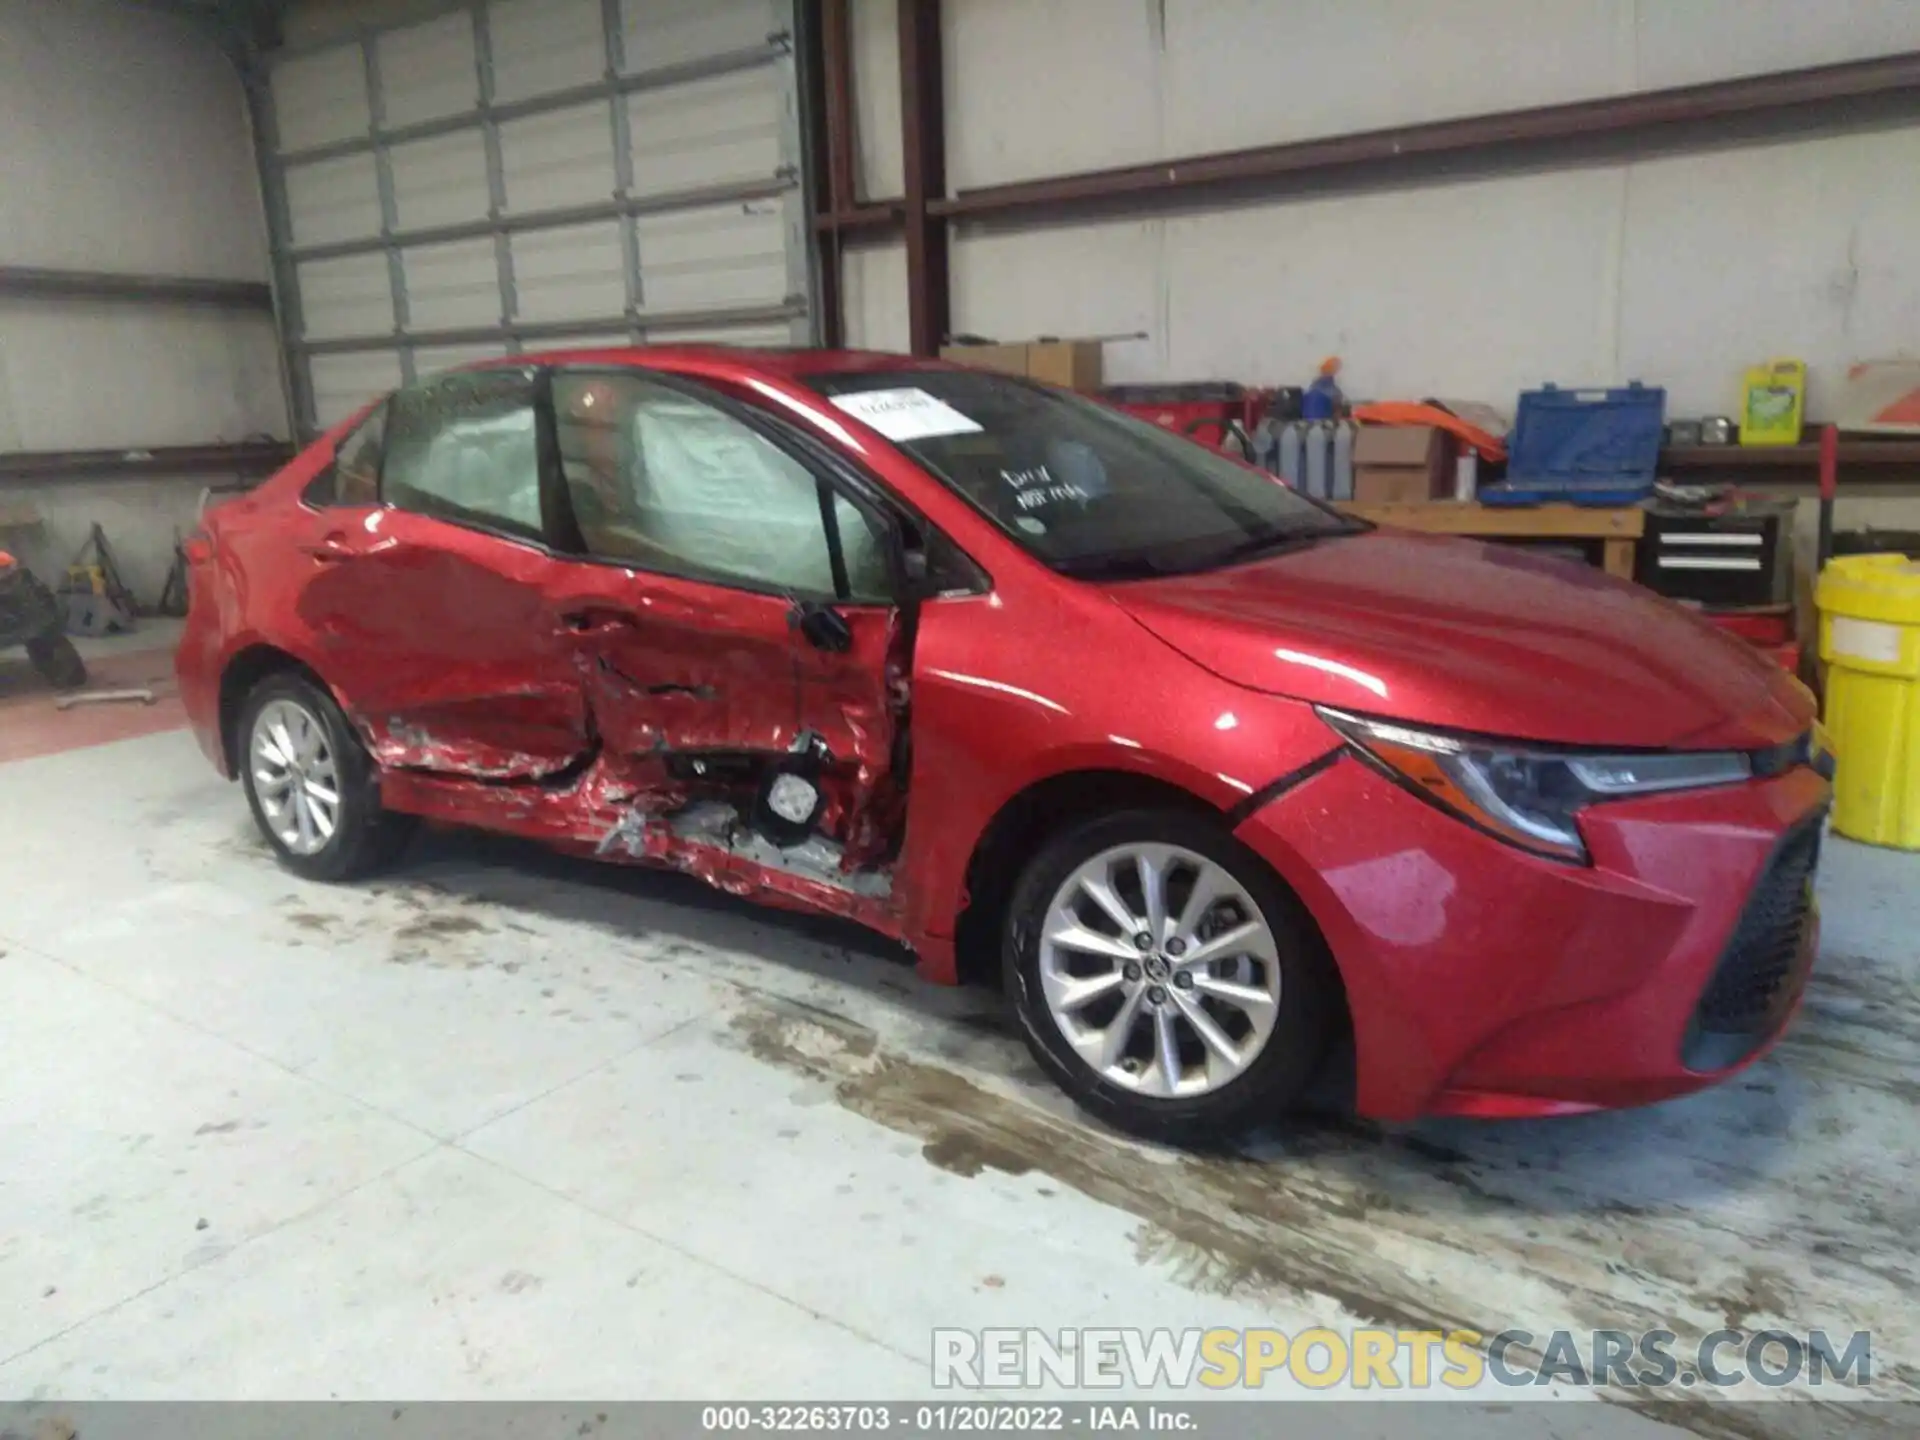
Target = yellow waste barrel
(1870,641)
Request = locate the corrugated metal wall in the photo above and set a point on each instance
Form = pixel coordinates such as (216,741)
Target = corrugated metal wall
(526,173)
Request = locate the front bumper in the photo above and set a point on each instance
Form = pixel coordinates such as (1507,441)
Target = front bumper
(1483,980)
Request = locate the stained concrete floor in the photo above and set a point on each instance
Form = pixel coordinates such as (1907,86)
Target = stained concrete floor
(508,1125)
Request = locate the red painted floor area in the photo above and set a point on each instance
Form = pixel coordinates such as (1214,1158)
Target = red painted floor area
(30,724)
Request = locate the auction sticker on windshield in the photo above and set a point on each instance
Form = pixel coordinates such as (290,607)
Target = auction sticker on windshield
(906,414)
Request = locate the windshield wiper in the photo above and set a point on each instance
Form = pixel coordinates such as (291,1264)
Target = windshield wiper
(1278,543)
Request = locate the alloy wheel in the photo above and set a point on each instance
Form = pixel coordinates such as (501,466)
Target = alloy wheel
(1160,970)
(295,776)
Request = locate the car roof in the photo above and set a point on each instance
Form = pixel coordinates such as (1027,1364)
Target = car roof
(789,363)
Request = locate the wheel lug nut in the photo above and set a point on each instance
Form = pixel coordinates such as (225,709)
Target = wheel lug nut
(1157,995)
(1132,972)
(1183,981)
(1176,947)
(1143,941)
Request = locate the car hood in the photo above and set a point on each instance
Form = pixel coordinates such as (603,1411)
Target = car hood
(1474,637)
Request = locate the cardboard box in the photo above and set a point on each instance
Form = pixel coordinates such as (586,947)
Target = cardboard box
(1401,464)
(1074,364)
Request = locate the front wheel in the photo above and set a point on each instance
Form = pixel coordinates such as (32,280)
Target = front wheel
(1165,978)
(311,784)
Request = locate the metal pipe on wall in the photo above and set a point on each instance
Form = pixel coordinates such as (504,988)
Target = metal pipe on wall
(251,458)
(1851,95)
(31,282)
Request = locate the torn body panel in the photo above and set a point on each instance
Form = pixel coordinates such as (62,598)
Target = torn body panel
(604,817)
(438,641)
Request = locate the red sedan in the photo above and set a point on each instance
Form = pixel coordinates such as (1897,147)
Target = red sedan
(1226,784)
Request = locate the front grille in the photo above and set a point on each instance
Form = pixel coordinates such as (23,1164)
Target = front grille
(1752,986)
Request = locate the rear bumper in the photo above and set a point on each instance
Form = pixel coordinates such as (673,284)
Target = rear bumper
(197,665)
(1486,981)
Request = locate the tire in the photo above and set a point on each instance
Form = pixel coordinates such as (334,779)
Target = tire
(58,662)
(351,837)
(1202,1096)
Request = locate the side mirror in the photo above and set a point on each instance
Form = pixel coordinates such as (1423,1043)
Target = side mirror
(824,628)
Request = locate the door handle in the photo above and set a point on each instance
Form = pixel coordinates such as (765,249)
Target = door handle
(330,547)
(594,622)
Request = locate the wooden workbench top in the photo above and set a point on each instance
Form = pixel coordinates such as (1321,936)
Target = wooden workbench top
(1617,527)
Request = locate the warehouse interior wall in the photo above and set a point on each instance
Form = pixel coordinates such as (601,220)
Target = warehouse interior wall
(1679,270)
(127,150)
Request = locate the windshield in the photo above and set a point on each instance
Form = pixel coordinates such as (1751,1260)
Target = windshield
(1089,490)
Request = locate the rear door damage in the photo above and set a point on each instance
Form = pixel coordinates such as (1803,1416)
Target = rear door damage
(748,725)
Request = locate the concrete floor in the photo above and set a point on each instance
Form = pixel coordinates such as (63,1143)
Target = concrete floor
(508,1125)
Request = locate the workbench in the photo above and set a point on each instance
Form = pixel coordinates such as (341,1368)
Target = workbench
(1617,529)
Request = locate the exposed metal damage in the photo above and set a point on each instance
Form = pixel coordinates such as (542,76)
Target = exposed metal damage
(787,787)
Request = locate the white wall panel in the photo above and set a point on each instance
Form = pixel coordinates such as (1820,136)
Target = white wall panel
(343,383)
(873,288)
(1679,271)
(705,133)
(1099,279)
(1467,290)
(1239,72)
(1682,42)
(564,158)
(427,71)
(451,286)
(123,145)
(334,200)
(660,33)
(321,97)
(102,376)
(570,274)
(876,96)
(544,45)
(1047,89)
(723,255)
(1081,84)
(1801,250)
(347,296)
(440,181)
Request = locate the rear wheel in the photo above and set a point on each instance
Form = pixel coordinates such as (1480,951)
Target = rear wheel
(311,784)
(58,662)
(1165,978)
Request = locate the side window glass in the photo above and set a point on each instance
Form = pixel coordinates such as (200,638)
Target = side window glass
(665,481)
(354,476)
(465,448)
(864,548)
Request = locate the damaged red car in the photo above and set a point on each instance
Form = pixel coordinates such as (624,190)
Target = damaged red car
(1224,786)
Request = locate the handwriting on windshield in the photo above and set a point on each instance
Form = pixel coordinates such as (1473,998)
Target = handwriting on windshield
(1035,488)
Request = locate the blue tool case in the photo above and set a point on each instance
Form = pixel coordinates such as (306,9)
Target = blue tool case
(1582,447)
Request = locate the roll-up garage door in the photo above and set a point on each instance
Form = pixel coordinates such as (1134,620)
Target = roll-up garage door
(523,174)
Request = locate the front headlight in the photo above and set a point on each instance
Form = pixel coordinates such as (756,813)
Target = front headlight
(1527,795)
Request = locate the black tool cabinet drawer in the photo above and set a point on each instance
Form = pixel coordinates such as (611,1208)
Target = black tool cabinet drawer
(1741,558)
